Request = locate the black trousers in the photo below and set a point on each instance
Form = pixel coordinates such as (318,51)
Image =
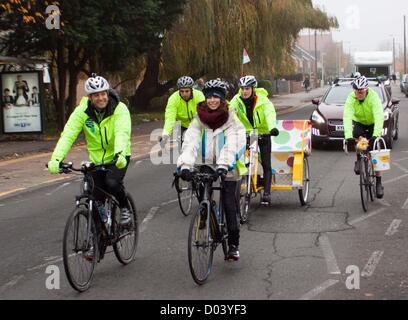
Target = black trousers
(231,208)
(265,148)
(111,182)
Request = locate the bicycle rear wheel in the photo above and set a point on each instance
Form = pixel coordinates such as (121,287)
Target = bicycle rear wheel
(79,251)
(304,192)
(200,245)
(125,246)
(364,184)
(185,194)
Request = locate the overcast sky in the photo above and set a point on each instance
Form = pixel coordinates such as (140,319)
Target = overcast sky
(366,24)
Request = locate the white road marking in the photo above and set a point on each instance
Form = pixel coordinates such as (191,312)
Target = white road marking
(405,206)
(168,202)
(41,266)
(60,187)
(319,289)
(11,283)
(328,253)
(398,160)
(384,202)
(395,179)
(149,217)
(355,221)
(393,228)
(372,263)
(405,170)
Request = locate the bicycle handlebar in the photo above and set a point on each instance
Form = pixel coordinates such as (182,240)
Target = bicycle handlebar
(68,167)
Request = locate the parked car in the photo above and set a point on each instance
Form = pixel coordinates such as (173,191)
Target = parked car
(327,119)
(404,84)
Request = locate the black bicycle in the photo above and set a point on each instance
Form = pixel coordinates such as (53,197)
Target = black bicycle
(367,174)
(87,236)
(207,228)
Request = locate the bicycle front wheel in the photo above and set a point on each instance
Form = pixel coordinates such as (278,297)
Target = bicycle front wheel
(126,244)
(200,245)
(371,179)
(79,250)
(185,194)
(364,184)
(245,199)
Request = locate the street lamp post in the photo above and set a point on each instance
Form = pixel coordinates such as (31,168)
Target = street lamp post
(405,46)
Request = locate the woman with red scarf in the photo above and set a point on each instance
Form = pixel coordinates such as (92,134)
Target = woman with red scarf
(217,138)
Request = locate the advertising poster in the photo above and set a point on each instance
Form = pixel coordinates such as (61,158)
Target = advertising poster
(21,102)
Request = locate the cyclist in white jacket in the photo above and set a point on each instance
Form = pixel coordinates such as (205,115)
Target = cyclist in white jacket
(217,138)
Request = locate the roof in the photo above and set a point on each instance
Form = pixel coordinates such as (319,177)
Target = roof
(373,58)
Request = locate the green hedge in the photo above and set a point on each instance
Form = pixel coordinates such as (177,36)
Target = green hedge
(267,85)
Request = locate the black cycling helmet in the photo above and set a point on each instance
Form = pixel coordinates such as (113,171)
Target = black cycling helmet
(216,88)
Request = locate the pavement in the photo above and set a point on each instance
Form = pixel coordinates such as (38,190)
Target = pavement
(22,163)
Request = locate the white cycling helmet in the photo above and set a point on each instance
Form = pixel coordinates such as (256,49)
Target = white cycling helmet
(96,84)
(360,83)
(248,81)
(185,82)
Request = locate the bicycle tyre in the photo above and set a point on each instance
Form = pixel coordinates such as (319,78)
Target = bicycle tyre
(364,191)
(197,239)
(185,198)
(77,284)
(133,232)
(304,192)
(371,178)
(245,200)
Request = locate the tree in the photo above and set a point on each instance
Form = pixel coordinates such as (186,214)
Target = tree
(267,28)
(94,36)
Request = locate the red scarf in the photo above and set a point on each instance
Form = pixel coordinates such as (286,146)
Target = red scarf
(213,118)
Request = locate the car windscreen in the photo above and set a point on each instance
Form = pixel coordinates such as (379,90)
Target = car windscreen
(338,95)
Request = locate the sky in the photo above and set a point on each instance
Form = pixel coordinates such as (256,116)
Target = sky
(364,25)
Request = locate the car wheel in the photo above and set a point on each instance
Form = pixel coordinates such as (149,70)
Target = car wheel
(388,139)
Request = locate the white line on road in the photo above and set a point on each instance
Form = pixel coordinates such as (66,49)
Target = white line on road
(372,263)
(318,290)
(395,179)
(41,266)
(384,202)
(393,228)
(60,187)
(328,253)
(405,206)
(398,160)
(168,202)
(405,170)
(11,283)
(149,217)
(355,221)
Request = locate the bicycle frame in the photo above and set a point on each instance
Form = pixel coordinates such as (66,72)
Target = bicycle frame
(218,216)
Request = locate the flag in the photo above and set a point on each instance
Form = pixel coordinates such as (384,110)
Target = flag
(245,57)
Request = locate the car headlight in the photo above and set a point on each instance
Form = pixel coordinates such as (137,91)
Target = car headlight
(386,115)
(317,117)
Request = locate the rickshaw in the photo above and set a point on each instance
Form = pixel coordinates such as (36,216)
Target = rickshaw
(289,162)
